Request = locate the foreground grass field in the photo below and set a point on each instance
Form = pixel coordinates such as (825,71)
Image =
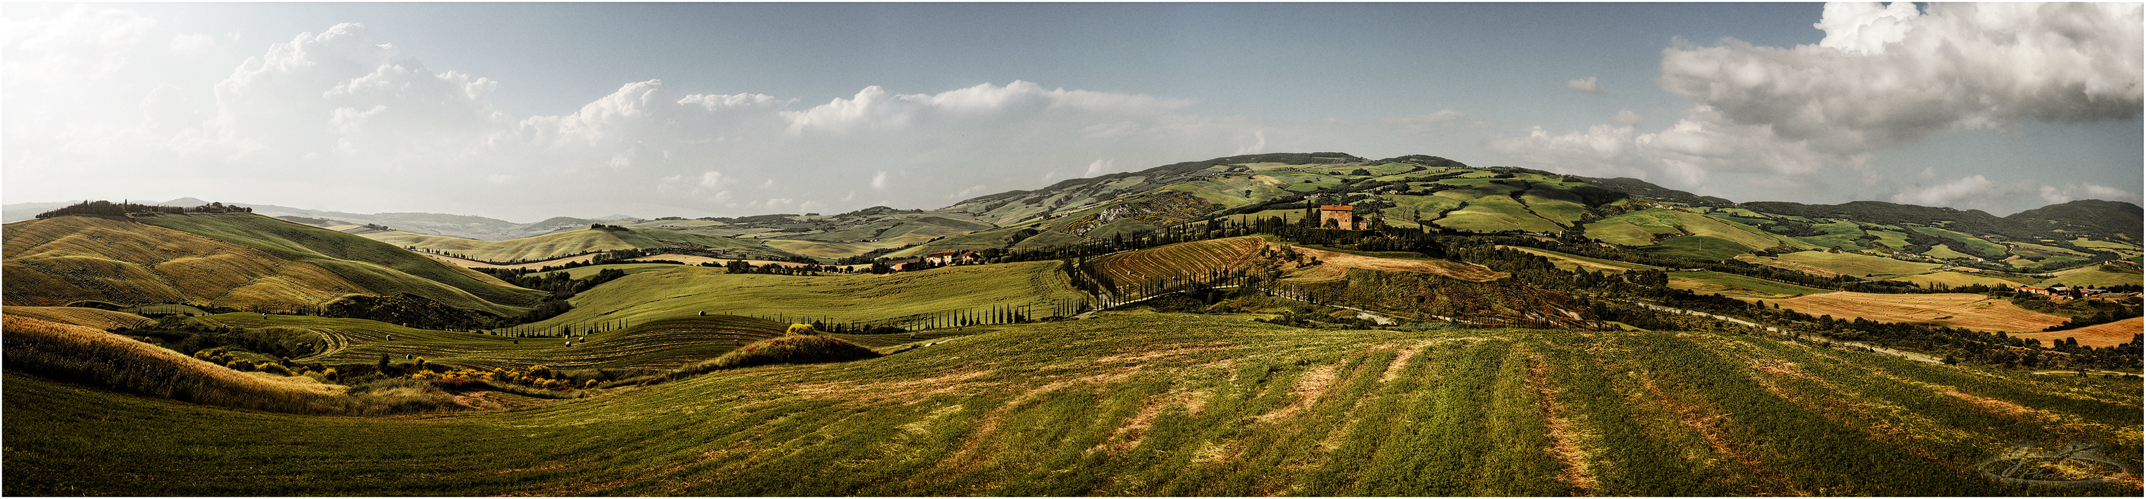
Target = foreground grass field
(1140,404)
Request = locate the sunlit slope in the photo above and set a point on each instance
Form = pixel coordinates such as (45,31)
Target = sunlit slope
(76,316)
(61,260)
(562,244)
(1647,227)
(375,266)
(686,291)
(1149,406)
(1964,310)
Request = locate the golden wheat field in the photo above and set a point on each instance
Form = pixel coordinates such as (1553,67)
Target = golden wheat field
(1965,310)
(2097,336)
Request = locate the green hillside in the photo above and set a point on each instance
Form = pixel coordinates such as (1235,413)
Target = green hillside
(686,291)
(1141,404)
(378,267)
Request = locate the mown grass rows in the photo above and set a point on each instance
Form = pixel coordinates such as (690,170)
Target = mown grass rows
(1128,404)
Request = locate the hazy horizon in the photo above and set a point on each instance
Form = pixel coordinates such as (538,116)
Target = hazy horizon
(523,112)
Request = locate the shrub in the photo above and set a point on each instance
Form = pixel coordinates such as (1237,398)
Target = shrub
(800,330)
(785,350)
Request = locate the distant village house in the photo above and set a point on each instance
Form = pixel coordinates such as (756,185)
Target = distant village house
(1339,217)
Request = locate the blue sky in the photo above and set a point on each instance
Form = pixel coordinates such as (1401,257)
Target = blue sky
(526,111)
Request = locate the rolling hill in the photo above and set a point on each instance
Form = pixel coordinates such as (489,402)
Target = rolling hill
(231,259)
(576,242)
(67,259)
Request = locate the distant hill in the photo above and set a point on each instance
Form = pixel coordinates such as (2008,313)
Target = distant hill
(232,259)
(575,242)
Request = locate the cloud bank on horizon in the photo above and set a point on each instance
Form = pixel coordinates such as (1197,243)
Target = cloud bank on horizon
(336,119)
(1883,77)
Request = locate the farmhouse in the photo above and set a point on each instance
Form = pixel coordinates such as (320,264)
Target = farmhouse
(1339,217)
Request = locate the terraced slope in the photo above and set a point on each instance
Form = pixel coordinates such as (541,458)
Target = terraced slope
(1182,259)
(66,259)
(1144,405)
(373,266)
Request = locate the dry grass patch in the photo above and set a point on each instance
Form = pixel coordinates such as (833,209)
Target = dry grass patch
(1564,432)
(2097,336)
(77,316)
(1335,265)
(1308,389)
(1963,310)
(1400,361)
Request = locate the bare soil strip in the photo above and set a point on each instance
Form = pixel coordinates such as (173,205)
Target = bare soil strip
(1709,428)
(1308,389)
(1564,447)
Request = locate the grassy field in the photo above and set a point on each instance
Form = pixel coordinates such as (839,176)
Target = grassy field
(1556,205)
(1493,213)
(1966,243)
(687,291)
(1699,248)
(1640,227)
(1736,286)
(655,344)
(2096,275)
(56,261)
(2097,336)
(1839,234)
(1826,263)
(1964,310)
(1958,279)
(1570,262)
(1140,404)
(1946,252)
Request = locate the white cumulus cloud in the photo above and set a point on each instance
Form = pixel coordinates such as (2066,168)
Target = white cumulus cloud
(1584,85)
(1814,117)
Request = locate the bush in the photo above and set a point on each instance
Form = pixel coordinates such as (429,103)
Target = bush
(785,350)
(800,330)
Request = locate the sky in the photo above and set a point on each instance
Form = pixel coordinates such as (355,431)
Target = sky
(526,111)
